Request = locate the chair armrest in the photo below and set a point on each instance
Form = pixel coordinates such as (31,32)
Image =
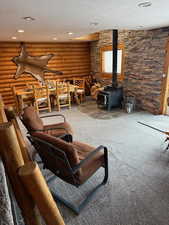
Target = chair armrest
(89,156)
(52,128)
(66,137)
(55,115)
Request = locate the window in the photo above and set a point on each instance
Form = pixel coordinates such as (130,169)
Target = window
(106,60)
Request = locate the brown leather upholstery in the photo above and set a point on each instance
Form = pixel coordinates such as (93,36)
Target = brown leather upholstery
(63,145)
(33,122)
(65,125)
(75,152)
(90,166)
(31,119)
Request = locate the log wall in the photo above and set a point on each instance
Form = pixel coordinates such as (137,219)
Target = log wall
(73,59)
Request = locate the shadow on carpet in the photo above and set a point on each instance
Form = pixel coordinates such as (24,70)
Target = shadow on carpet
(91,109)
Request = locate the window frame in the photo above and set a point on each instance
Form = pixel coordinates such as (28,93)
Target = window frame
(120,76)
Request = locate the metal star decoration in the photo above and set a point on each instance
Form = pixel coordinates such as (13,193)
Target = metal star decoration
(34,65)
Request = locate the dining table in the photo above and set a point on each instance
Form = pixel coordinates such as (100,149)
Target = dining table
(28,92)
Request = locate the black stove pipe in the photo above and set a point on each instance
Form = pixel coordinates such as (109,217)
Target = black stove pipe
(114,58)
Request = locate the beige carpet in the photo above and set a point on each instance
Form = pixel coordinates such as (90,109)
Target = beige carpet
(137,192)
(91,109)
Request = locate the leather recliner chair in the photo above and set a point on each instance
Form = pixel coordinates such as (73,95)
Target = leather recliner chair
(73,162)
(34,123)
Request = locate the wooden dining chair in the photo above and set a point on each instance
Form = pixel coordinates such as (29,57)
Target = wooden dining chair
(32,85)
(41,98)
(80,83)
(27,100)
(51,83)
(63,98)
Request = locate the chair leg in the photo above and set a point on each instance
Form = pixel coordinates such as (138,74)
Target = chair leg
(36,106)
(69,102)
(79,208)
(84,96)
(49,105)
(58,104)
(81,98)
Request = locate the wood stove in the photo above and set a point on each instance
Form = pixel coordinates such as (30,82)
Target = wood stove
(112,96)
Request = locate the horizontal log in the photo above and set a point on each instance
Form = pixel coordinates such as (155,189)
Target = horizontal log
(61,54)
(6,96)
(11,65)
(58,44)
(16,45)
(4,72)
(8,58)
(9,44)
(63,69)
(54,62)
(42,44)
(9,103)
(65,48)
(9,100)
(56,52)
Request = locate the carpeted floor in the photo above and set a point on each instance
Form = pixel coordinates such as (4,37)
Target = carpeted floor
(137,192)
(91,109)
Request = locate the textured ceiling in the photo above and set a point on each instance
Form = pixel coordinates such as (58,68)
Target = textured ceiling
(54,18)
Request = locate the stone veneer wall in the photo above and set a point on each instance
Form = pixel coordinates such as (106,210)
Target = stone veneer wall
(144,63)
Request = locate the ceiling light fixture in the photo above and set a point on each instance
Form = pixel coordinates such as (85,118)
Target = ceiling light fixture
(144,4)
(70,33)
(94,23)
(28,18)
(13,38)
(20,31)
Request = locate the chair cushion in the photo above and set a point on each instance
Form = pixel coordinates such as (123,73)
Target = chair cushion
(80,91)
(31,119)
(90,167)
(62,96)
(41,99)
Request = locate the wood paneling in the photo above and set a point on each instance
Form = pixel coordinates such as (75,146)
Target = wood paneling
(89,37)
(73,59)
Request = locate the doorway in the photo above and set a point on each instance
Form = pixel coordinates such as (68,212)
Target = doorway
(165,85)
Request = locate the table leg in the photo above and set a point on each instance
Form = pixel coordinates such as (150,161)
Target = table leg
(20,104)
(76,97)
